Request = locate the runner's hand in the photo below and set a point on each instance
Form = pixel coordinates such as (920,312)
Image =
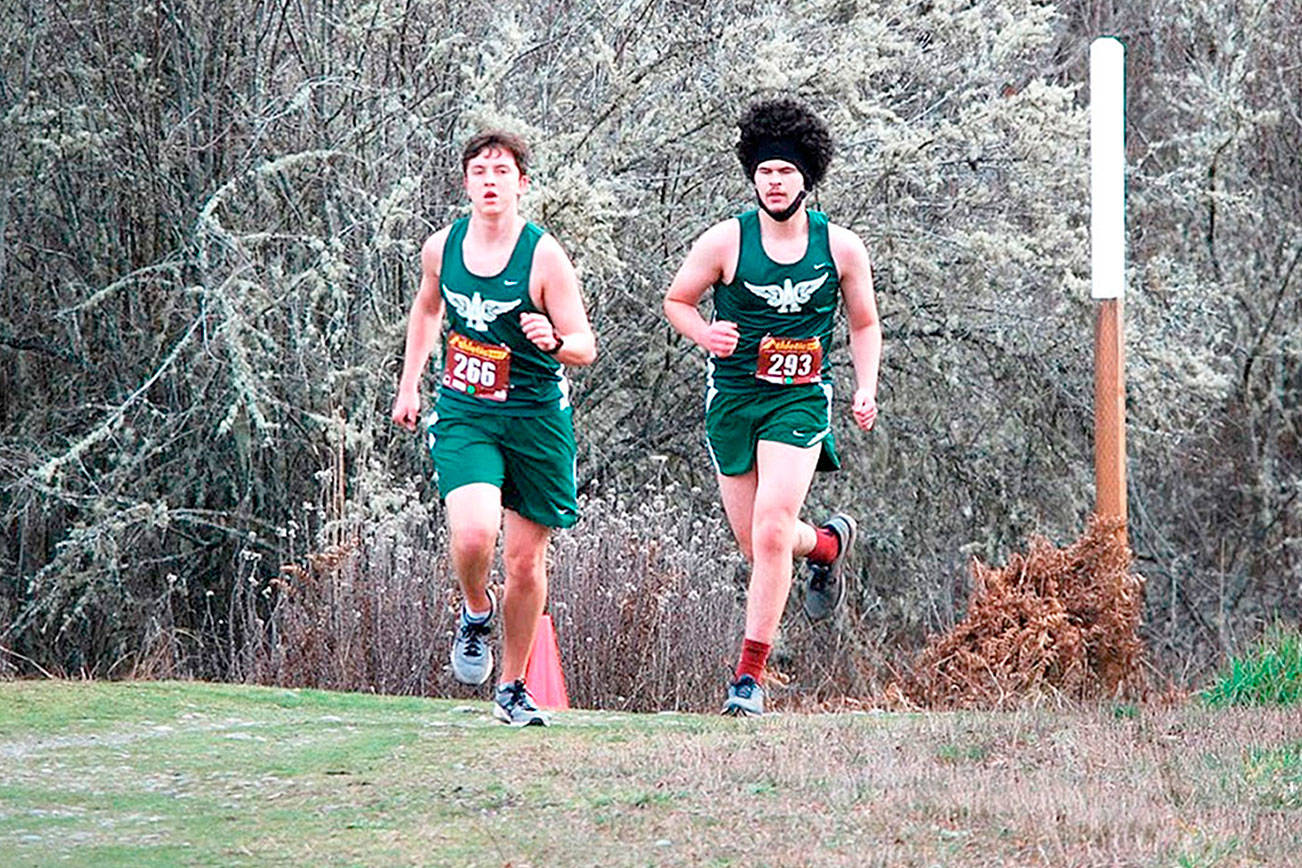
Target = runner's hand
(406,409)
(864,409)
(721,338)
(539,329)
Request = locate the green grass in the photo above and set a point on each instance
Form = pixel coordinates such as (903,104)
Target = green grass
(205,774)
(1271,674)
(1275,775)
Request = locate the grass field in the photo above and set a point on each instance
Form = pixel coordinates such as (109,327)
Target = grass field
(203,774)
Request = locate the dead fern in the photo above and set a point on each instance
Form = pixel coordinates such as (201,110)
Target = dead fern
(1053,621)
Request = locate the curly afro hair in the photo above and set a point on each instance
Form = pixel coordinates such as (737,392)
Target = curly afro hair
(782,126)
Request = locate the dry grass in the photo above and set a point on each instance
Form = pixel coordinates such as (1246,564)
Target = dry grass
(165,774)
(647,596)
(371,613)
(648,599)
(1031,787)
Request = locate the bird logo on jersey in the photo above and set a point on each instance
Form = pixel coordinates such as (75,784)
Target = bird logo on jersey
(477,311)
(788,297)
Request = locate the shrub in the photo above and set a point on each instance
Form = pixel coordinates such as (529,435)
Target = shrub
(1052,620)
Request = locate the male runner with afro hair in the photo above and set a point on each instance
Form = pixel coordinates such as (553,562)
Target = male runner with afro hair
(777,273)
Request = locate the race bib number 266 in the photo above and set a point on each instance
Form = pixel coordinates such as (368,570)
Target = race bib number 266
(477,369)
(790,361)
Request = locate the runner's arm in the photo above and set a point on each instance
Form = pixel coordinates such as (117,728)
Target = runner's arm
(565,322)
(423,325)
(856,276)
(702,268)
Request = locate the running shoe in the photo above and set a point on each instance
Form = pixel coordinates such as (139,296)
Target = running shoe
(745,698)
(472,657)
(512,704)
(826,588)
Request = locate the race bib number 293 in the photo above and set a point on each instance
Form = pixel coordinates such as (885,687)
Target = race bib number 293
(790,361)
(477,369)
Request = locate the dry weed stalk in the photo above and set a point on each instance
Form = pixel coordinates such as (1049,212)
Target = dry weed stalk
(644,603)
(1061,621)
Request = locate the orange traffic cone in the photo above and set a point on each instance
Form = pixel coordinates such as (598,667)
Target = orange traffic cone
(543,671)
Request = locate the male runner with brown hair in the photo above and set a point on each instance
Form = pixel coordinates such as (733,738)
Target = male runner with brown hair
(501,434)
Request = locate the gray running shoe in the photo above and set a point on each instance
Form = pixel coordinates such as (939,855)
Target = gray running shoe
(472,657)
(745,698)
(512,704)
(826,588)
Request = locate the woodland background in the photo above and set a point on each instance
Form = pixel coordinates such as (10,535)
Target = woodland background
(210,217)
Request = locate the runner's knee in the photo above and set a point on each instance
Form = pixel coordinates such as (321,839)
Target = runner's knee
(474,540)
(774,532)
(524,566)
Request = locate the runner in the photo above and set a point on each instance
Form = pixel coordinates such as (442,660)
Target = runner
(777,273)
(501,433)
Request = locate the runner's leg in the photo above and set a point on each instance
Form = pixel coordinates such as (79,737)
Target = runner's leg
(474,514)
(738,495)
(525,552)
(784,473)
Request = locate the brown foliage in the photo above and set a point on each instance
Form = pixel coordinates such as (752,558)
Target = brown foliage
(1053,620)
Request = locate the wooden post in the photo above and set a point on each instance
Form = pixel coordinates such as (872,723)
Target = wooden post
(1110,410)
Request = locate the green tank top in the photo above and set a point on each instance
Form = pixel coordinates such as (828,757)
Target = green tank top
(794,301)
(483,317)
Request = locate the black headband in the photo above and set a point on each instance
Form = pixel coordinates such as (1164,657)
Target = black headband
(781,149)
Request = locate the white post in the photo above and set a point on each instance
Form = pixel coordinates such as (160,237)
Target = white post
(1108,272)
(1107,167)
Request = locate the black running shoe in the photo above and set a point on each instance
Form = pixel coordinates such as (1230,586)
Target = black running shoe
(826,588)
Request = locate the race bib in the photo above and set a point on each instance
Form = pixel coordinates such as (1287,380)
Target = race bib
(477,369)
(790,361)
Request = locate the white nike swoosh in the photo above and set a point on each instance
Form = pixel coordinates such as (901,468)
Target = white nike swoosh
(823,265)
(510,282)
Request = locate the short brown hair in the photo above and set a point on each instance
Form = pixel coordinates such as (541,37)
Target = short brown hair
(517,146)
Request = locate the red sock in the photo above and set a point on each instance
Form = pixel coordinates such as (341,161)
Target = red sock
(753,657)
(827,546)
